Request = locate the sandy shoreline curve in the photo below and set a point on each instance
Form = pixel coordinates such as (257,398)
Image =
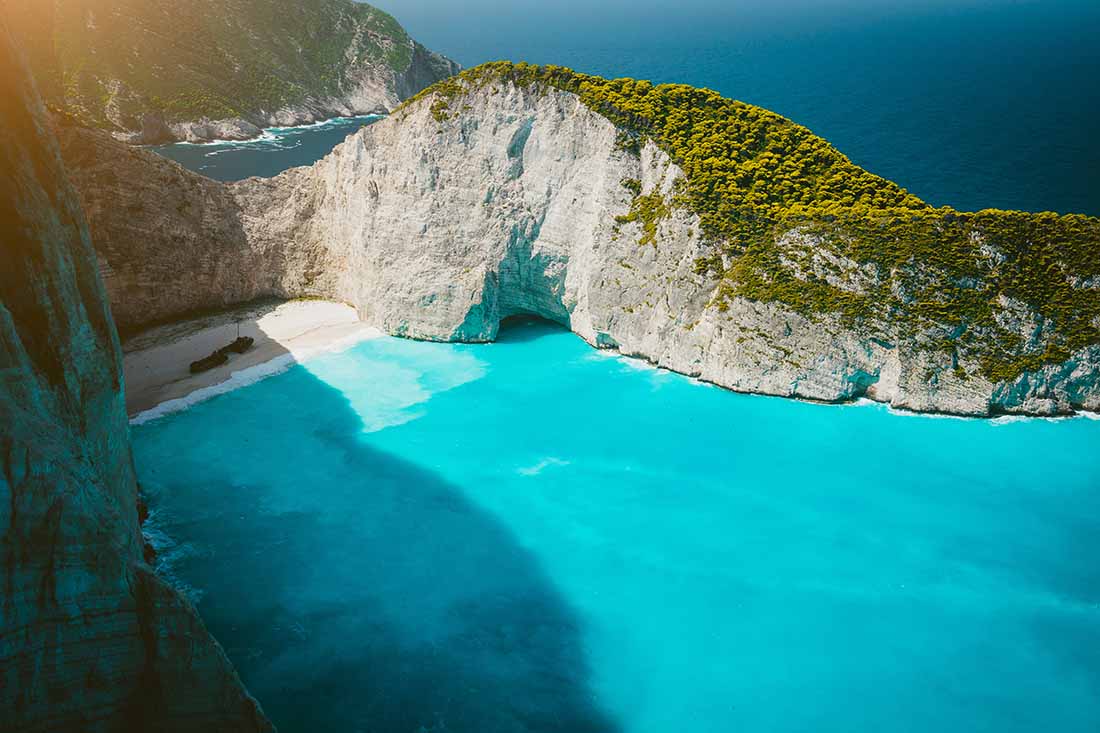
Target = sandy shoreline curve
(158,381)
(156,362)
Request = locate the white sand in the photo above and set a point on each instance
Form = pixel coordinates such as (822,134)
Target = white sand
(156,362)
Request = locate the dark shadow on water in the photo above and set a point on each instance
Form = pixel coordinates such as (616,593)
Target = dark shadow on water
(526,327)
(409,609)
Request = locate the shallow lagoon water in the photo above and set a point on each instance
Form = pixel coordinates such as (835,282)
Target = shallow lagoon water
(535,536)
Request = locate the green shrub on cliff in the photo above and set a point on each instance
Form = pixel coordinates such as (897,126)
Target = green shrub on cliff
(964,283)
(648,210)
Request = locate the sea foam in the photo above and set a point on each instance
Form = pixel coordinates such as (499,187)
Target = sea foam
(273,134)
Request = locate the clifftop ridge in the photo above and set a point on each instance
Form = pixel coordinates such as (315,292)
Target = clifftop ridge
(761,184)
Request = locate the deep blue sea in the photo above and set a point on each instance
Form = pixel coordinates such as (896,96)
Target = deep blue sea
(971,103)
(535,536)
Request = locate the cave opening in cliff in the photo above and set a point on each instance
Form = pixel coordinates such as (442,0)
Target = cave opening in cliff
(527,327)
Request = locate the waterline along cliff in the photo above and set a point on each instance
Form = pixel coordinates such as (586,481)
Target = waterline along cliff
(153,71)
(705,235)
(90,638)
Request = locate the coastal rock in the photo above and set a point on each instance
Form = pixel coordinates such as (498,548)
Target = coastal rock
(244,66)
(438,229)
(90,638)
(168,242)
(438,226)
(206,130)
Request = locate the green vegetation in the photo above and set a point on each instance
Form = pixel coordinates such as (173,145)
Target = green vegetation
(445,92)
(111,61)
(648,210)
(633,185)
(762,185)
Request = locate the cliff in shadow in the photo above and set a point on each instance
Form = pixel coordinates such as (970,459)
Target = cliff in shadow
(90,638)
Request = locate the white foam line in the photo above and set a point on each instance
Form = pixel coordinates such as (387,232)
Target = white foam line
(899,412)
(331,122)
(266,136)
(639,364)
(271,134)
(1009,419)
(867,402)
(541,466)
(996,421)
(253,374)
(636,364)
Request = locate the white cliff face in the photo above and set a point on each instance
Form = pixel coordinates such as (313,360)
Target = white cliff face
(439,229)
(512,203)
(473,221)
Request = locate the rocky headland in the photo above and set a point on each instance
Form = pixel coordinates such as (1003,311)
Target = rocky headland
(765,263)
(153,71)
(704,235)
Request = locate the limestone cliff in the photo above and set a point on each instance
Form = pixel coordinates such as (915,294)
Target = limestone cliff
(168,242)
(157,70)
(524,200)
(489,198)
(90,638)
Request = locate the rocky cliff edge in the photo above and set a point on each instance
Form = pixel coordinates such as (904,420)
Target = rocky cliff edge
(501,193)
(90,638)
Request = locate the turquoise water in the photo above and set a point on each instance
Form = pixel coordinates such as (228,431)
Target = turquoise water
(535,536)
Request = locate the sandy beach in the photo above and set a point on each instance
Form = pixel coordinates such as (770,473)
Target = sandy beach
(156,362)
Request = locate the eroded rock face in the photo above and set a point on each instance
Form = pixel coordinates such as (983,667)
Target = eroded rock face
(90,638)
(168,242)
(438,226)
(438,229)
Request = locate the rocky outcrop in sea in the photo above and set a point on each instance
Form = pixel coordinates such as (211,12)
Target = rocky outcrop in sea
(437,226)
